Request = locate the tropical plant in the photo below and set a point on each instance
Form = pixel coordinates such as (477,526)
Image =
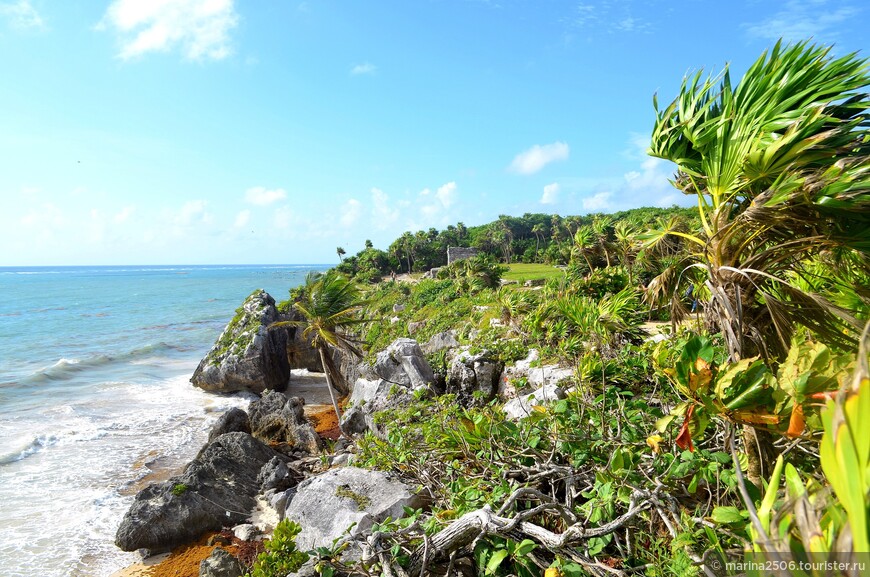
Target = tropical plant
(330,305)
(779,166)
(281,556)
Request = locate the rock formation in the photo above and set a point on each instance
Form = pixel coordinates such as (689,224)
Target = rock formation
(217,488)
(248,356)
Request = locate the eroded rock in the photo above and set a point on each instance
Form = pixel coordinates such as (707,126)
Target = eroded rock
(275,418)
(327,505)
(248,356)
(217,488)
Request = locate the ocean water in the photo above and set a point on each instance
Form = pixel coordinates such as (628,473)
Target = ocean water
(95,400)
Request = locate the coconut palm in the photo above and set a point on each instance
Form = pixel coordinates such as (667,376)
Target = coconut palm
(779,166)
(330,305)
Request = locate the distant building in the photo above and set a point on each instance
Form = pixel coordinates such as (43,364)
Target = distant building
(457,253)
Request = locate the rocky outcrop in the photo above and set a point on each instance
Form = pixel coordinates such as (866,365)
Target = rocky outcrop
(233,421)
(403,364)
(278,419)
(248,356)
(440,342)
(221,564)
(473,378)
(524,404)
(398,371)
(327,505)
(217,488)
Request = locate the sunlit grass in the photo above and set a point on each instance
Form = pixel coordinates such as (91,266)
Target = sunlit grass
(530,271)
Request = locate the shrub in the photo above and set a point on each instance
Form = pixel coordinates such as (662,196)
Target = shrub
(281,555)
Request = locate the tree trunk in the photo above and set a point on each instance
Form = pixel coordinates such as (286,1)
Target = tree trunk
(329,386)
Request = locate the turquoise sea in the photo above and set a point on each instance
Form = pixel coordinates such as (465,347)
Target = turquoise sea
(95,399)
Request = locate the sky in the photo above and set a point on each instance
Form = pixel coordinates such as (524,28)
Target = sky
(255,132)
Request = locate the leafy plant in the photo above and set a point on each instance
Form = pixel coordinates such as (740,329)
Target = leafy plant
(281,555)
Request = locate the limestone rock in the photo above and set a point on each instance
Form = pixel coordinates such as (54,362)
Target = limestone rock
(248,356)
(217,488)
(522,406)
(246,532)
(233,421)
(469,374)
(221,564)
(549,375)
(275,418)
(440,342)
(328,504)
(403,363)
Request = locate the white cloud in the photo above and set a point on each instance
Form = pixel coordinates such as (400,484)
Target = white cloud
(124,214)
(261,196)
(801,19)
(364,68)
(199,28)
(607,17)
(446,194)
(382,214)
(21,14)
(537,157)
(551,194)
(350,212)
(242,218)
(597,202)
(191,212)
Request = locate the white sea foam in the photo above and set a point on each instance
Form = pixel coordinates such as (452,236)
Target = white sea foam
(72,474)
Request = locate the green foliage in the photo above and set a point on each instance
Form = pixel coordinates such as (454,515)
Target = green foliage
(179,489)
(782,400)
(281,555)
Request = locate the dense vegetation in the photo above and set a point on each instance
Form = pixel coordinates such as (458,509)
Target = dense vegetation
(745,430)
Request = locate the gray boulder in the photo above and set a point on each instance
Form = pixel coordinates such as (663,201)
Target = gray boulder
(440,342)
(276,418)
(221,564)
(549,375)
(276,475)
(327,505)
(402,363)
(523,405)
(248,356)
(217,488)
(473,378)
(233,421)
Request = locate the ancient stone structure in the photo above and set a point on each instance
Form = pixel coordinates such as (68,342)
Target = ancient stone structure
(457,253)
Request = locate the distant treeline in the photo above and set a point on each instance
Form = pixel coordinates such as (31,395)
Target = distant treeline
(530,238)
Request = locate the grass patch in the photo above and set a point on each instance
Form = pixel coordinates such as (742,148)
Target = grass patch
(530,271)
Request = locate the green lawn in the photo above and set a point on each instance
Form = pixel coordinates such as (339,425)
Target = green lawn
(526,271)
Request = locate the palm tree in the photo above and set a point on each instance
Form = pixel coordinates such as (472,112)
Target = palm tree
(330,304)
(584,241)
(340,252)
(538,231)
(780,167)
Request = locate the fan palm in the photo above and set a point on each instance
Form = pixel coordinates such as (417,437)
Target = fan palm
(330,304)
(779,165)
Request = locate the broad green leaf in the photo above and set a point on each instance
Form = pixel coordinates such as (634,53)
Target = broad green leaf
(494,561)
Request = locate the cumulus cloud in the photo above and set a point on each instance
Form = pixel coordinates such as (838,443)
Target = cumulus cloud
(242,218)
(21,15)
(199,28)
(192,211)
(124,214)
(551,194)
(597,202)
(383,215)
(350,212)
(537,157)
(261,196)
(446,194)
(364,68)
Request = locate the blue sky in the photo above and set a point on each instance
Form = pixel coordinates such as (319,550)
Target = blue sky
(247,131)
